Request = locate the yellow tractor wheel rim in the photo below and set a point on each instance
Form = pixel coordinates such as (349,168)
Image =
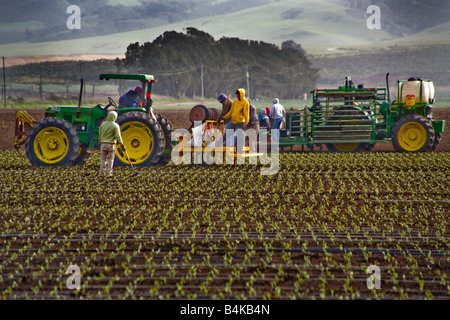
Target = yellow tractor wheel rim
(412,136)
(346,147)
(138,141)
(51,145)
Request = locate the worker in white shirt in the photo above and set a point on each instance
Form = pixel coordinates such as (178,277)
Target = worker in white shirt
(277,114)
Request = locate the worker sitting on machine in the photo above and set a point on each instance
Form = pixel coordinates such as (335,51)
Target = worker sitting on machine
(131,99)
(316,107)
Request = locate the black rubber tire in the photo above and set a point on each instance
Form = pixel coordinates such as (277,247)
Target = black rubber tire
(72,142)
(370,147)
(167,128)
(362,147)
(437,141)
(157,135)
(82,156)
(424,122)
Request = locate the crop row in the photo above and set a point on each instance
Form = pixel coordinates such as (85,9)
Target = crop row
(171,268)
(211,232)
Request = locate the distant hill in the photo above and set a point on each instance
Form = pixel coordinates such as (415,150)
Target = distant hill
(414,39)
(29,27)
(43,21)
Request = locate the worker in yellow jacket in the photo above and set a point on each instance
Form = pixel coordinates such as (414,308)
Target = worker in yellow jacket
(239,114)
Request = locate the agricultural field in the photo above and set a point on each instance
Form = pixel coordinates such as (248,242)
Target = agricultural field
(326,226)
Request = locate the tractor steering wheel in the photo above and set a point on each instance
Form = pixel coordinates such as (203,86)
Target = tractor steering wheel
(111,103)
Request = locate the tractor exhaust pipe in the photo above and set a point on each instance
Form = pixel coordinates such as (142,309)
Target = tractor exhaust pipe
(79,98)
(387,87)
(388,91)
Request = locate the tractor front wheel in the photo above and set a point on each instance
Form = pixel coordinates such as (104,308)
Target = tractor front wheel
(413,133)
(52,142)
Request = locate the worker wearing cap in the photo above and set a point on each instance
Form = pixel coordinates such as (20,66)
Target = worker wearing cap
(253,124)
(131,98)
(239,114)
(226,105)
(263,117)
(108,136)
(316,107)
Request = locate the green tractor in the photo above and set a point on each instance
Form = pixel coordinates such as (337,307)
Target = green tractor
(67,132)
(353,118)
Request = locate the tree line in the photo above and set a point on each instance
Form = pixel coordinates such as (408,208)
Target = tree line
(193,63)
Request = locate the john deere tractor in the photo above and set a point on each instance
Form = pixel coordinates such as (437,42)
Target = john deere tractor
(354,118)
(67,132)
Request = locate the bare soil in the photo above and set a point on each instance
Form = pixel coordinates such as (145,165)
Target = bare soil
(180,119)
(150,264)
(20,60)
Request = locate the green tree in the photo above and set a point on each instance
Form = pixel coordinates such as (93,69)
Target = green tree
(176,59)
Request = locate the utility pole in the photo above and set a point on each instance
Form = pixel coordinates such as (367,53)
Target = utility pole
(4,83)
(203,92)
(248,83)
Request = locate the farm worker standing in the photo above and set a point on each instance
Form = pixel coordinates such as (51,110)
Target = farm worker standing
(226,105)
(277,113)
(239,114)
(130,99)
(108,136)
(263,117)
(253,124)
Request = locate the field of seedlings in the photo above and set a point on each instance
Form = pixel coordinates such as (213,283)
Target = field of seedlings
(326,226)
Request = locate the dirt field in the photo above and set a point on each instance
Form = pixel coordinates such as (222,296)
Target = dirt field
(14,61)
(180,119)
(311,231)
(210,232)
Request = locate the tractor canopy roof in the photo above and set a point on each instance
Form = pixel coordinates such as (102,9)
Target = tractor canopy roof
(142,77)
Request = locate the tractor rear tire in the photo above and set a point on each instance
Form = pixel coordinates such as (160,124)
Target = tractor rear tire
(413,133)
(352,147)
(142,137)
(167,128)
(437,141)
(52,142)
